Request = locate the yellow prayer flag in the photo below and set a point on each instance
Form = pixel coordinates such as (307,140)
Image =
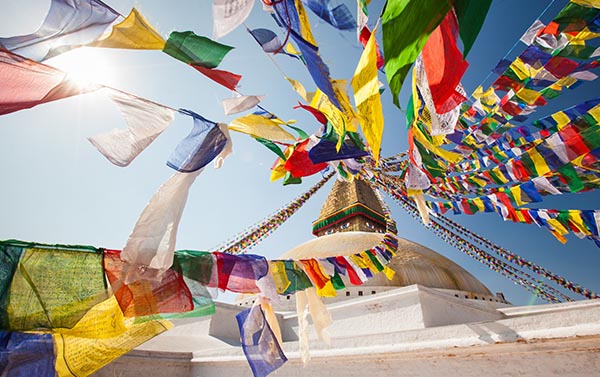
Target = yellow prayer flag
(277,270)
(520,69)
(561,119)
(389,273)
(101,336)
(479,203)
(446,155)
(278,171)
(260,126)
(322,103)
(134,32)
(299,88)
(539,162)
(576,220)
(595,113)
(588,3)
(367,98)
(339,89)
(528,95)
(327,291)
(305,29)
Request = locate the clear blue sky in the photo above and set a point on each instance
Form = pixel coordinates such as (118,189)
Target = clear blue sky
(56,188)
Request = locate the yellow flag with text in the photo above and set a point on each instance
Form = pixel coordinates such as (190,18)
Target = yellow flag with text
(134,32)
(367,98)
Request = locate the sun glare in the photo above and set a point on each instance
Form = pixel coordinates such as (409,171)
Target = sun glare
(86,65)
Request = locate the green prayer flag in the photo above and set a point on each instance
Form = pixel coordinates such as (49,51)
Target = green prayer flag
(337,282)
(470,15)
(406,27)
(299,281)
(194,265)
(9,260)
(569,173)
(194,49)
(272,147)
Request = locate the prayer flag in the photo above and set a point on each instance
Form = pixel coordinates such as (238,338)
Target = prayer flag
(259,126)
(146,120)
(260,345)
(239,273)
(134,32)
(204,143)
(227,79)
(239,104)
(471,15)
(68,24)
(195,50)
(267,39)
(339,17)
(229,14)
(42,294)
(150,246)
(299,164)
(406,27)
(26,84)
(325,151)
(26,354)
(367,97)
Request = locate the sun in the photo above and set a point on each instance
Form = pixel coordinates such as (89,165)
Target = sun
(86,65)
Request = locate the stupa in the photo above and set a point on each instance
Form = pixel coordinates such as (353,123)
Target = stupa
(433,318)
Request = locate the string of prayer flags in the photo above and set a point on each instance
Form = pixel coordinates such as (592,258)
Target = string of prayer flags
(339,17)
(145,119)
(134,32)
(228,15)
(406,27)
(203,144)
(259,343)
(242,103)
(68,24)
(26,84)
(367,97)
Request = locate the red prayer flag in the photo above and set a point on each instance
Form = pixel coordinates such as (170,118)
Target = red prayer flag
(227,79)
(444,65)
(299,163)
(26,83)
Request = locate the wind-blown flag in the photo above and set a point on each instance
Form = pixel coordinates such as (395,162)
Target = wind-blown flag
(26,84)
(267,39)
(259,126)
(239,104)
(406,26)
(470,14)
(204,143)
(68,24)
(260,345)
(367,97)
(26,354)
(146,121)
(229,14)
(134,32)
(339,17)
(299,164)
(195,50)
(325,150)
(151,244)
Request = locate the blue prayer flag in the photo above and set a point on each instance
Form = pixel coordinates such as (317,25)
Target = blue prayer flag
(339,17)
(200,147)
(26,354)
(263,352)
